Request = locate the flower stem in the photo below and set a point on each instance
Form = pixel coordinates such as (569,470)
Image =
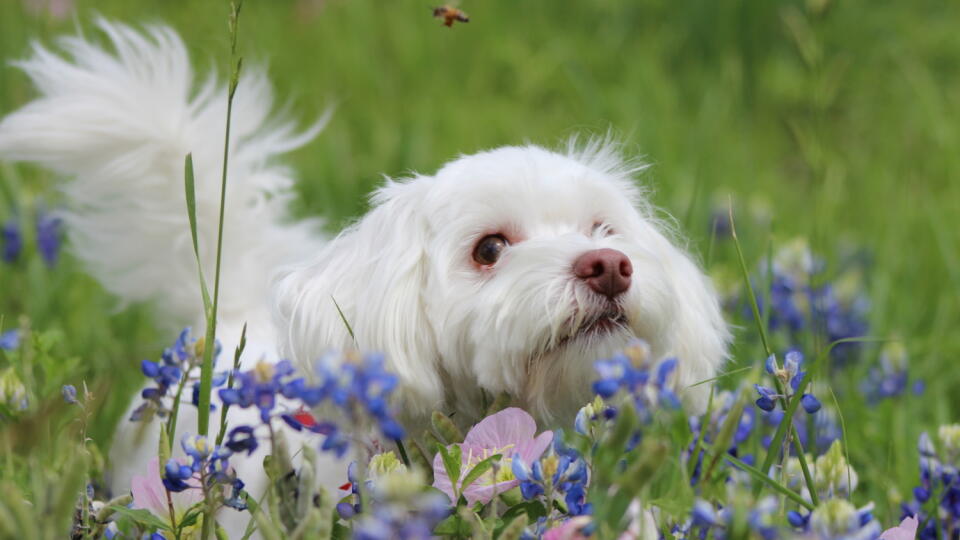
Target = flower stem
(175,411)
(206,370)
(173,514)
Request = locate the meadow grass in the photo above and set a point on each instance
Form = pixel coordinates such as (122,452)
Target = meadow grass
(838,122)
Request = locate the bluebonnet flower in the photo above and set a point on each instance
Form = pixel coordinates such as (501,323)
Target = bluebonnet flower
(593,417)
(890,378)
(175,476)
(242,439)
(12,241)
(349,506)
(835,311)
(939,478)
(355,385)
(179,363)
(632,372)
(48,236)
(790,376)
(10,340)
(208,464)
(366,383)
(716,521)
(839,519)
(562,471)
(69,393)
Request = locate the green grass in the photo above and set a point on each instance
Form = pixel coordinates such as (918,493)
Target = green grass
(843,124)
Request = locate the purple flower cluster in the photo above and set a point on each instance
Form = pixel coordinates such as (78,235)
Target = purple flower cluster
(175,368)
(209,467)
(801,301)
(790,376)
(48,237)
(10,340)
(355,386)
(632,372)
(12,241)
(936,500)
(717,521)
(891,378)
(561,471)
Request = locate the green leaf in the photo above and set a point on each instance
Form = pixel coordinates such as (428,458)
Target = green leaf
(343,318)
(478,471)
(534,510)
(451,463)
(512,497)
(142,516)
(453,525)
(446,428)
(191,516)
(190,189)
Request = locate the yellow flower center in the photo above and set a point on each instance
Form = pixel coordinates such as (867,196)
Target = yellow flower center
(501,472)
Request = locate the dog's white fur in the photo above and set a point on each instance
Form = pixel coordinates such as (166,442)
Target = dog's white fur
(119,123)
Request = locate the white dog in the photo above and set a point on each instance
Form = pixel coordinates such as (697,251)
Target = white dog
(511,270)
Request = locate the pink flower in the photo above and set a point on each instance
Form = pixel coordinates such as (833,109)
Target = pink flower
(149,493)
(907,530)
(509,432)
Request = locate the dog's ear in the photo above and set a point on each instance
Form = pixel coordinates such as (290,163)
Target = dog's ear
(697,334)
(374,272)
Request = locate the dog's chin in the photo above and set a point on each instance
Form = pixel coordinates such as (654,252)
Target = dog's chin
(560,381)
(592,329)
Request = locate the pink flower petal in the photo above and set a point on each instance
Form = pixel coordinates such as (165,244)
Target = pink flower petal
(907,530)
(509,426)
(148,491)
(531,450)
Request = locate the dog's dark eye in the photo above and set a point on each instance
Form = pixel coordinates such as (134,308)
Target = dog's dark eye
(489,249)
(605,229)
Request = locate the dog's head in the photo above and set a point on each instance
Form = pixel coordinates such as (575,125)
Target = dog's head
(508,271)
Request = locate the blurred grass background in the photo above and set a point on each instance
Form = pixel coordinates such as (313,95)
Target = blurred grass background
(835,121)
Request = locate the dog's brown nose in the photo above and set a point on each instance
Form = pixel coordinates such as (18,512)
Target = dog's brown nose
(606,271)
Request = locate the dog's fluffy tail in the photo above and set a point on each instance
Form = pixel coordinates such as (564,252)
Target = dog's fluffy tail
(118,122)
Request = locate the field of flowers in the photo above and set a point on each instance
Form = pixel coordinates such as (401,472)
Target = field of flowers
(807,148)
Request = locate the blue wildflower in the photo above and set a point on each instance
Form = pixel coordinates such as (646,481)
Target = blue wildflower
(12,241)
(809,403)
(48,237)
(241,439)
(178,364)
(175,476)
(69,393)
(835,311)
(10,340)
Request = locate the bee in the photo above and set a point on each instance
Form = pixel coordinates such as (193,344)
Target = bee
(450,14)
